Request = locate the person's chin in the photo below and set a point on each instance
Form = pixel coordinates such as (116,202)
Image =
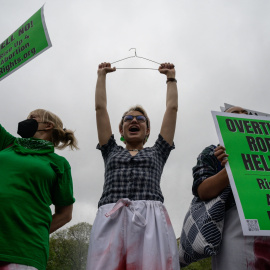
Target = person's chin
(134,137)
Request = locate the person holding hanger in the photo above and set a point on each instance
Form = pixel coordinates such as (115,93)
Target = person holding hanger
(237,252)
(32,178)
(132,229)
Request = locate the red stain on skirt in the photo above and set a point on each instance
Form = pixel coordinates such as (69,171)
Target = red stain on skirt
(262,253)
(122,264)
(168,221)
(4,265)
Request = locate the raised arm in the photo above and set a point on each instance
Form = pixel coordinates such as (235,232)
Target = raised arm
(6,139)
(102,116)
(169,120)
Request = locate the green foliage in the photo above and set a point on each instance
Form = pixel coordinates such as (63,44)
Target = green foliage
(68,248)
(204,264)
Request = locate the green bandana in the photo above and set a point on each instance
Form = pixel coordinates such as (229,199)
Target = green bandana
(32,146)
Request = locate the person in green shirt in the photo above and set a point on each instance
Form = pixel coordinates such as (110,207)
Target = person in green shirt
(32,177)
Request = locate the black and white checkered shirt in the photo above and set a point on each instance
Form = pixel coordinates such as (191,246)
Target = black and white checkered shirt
(134,177)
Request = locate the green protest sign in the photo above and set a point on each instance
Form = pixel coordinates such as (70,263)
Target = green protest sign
(247,142)
(27,42)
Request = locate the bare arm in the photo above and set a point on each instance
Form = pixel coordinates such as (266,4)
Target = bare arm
(62,215)
(213,186)
(102,116)
(169,120)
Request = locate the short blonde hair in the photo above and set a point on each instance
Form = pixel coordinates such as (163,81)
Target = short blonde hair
(61,137)
(137,108)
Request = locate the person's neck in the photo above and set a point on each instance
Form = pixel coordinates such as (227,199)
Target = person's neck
(42,135)
(134,146)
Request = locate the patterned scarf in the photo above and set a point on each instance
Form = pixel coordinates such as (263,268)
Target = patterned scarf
(32,146)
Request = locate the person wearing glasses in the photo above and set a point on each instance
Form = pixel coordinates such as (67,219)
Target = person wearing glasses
(132,229)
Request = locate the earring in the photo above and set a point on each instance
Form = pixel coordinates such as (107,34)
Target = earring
(122,139)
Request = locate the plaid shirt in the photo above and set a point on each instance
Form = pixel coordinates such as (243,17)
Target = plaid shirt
(207,166)
(133,177)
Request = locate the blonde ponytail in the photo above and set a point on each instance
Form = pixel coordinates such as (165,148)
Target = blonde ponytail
(61,137)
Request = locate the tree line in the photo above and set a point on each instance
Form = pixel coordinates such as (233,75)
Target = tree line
(68,248)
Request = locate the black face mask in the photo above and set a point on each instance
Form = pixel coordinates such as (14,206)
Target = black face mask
(27,128)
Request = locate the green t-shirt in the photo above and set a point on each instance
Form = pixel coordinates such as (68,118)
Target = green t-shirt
(32,177)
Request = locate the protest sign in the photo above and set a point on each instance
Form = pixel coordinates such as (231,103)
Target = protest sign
(247,142)
(27,42)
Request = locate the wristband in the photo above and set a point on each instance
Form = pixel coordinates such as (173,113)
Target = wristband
(171,80)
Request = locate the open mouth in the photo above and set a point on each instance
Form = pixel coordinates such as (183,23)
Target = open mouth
(134,129)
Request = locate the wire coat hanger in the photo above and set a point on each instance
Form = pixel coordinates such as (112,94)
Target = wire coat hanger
(135,55)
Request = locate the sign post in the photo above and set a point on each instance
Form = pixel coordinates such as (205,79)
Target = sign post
(27,42)
(247,142)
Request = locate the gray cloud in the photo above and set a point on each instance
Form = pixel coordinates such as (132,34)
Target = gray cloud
(221,53)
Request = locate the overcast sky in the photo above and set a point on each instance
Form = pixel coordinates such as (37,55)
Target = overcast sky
(220,50)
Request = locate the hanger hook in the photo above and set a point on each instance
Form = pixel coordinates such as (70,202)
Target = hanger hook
(138,57)
(133,49)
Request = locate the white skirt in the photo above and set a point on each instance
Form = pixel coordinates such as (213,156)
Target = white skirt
(14,266)
(132,235)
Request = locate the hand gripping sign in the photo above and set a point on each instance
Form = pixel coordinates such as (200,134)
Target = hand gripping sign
(27,42)
(247,142)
